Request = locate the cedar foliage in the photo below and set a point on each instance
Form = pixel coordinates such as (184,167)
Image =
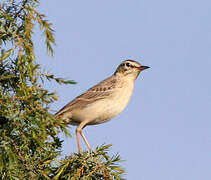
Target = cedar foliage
(29,141)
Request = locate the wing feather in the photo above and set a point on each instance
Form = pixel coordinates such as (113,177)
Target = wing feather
(97,92)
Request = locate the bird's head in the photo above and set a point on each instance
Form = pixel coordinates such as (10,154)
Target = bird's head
(130,68)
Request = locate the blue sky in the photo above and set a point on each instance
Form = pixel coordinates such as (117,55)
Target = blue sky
(164,133)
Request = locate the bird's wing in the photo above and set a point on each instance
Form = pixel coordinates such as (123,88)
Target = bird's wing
(97,92)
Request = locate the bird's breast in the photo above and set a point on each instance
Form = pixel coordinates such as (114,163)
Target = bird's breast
(112,106)
(122,97)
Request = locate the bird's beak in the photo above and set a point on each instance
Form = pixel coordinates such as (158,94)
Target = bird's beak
(143,68)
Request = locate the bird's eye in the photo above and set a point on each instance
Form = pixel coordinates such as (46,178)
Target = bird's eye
(128,64)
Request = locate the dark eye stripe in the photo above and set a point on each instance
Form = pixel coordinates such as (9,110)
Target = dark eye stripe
(128,64)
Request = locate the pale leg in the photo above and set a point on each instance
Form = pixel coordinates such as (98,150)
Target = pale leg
(78,141)
(79,131)
(85,140)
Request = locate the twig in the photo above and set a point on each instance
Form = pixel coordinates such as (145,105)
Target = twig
(23,6)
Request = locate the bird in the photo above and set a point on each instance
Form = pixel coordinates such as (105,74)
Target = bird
(103,101)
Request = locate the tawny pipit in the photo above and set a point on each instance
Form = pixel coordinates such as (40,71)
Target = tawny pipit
(104,101)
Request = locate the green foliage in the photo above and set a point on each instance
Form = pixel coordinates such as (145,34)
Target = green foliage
(29,142)
(28,132)
(97,165)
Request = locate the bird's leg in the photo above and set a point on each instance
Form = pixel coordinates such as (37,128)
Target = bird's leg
(79,131)
(85,140)
(78,140)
